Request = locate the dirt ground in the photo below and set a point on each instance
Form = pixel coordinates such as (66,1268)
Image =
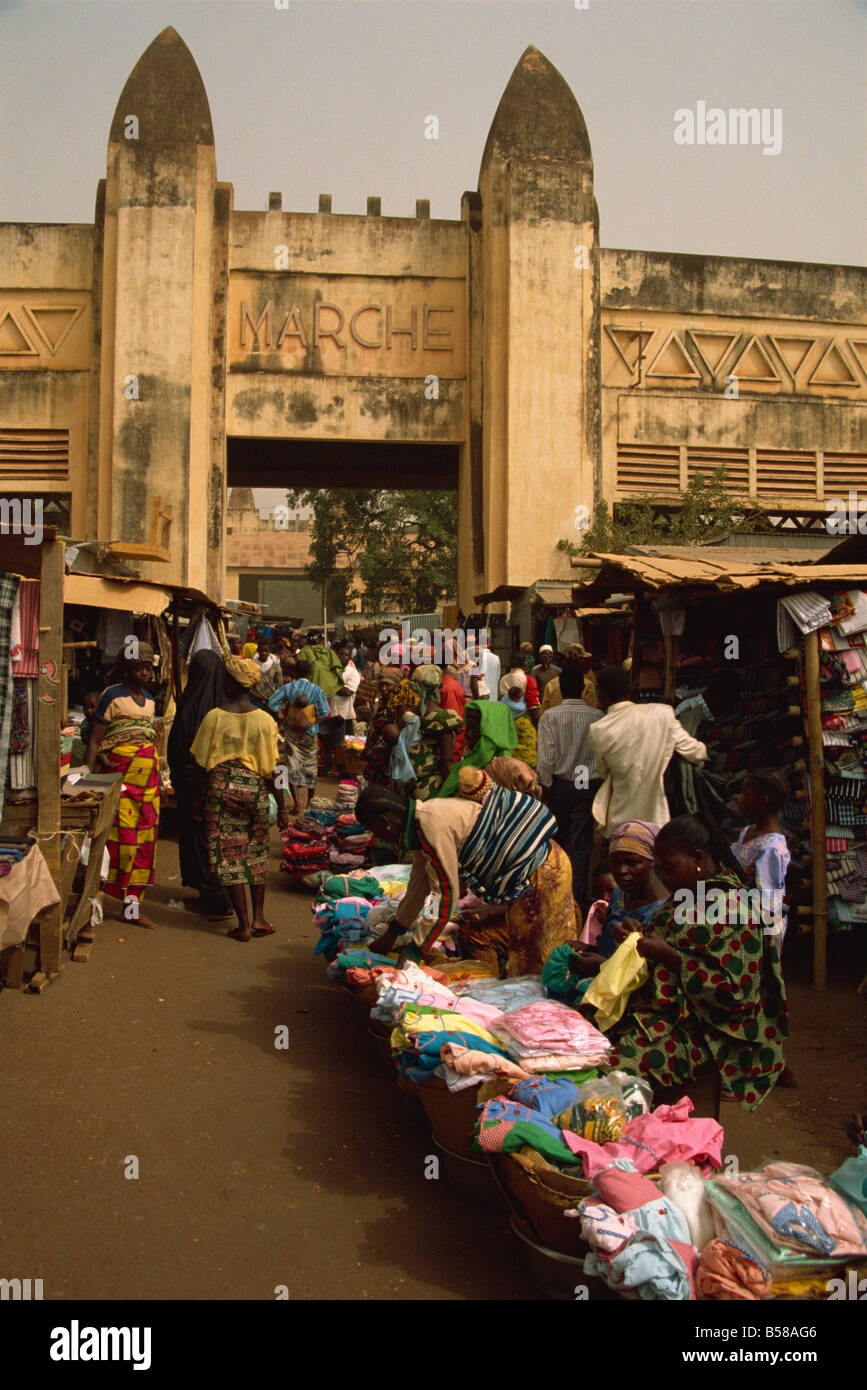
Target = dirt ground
(303,1167)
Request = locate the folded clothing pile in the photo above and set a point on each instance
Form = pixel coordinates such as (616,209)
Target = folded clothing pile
(548,1036)
(341,923)
(640,1240)
(788,1218)
(421,1032)
(347,794)
(506,995)
(665,1135)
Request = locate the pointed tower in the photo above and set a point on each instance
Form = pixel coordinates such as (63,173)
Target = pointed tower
(160,278)
(534,303)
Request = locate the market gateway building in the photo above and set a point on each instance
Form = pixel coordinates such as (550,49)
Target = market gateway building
(178,345)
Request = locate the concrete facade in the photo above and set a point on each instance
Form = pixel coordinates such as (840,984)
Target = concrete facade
(177,342)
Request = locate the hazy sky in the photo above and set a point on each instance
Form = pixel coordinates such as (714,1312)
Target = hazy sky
(332,97)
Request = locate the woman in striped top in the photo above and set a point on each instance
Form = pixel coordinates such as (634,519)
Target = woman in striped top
(502,847)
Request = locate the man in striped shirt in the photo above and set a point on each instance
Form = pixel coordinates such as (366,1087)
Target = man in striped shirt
(566,768)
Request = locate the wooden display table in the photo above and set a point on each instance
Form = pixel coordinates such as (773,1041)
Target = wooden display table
(89,810)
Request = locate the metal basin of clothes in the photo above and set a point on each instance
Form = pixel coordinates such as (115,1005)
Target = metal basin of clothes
(469,1178)
(362,1001)
(538,1194)
(331,731)
(380,1035)
(557,1276)
(453,1114)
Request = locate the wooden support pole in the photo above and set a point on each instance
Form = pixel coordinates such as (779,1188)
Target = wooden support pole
(671,649)
(817,810)
(637,615)
(176,649)
(49,700)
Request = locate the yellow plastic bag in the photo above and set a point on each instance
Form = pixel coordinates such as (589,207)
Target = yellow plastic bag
(620,975)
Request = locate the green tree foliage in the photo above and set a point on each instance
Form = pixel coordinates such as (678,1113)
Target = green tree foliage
(707,513)
(402,546)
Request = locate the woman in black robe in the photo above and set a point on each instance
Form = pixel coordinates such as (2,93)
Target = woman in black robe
(204,691)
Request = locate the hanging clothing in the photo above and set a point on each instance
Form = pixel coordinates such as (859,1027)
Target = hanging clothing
(8,598)
(27,664)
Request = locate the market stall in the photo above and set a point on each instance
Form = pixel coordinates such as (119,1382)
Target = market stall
(60,629)
(744,631)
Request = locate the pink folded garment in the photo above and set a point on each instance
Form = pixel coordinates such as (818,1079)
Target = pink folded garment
(666,1135)
(604,1228)
(469,1062)
(561,1061)
(477,1011)
(548,1024)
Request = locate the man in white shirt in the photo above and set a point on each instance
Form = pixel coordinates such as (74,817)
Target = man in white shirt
(486,671)
(343,703)
(633,745)
(565,766)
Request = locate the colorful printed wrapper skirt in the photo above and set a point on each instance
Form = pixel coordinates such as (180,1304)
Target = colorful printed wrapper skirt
(132,840)
(237,824)
(542,918)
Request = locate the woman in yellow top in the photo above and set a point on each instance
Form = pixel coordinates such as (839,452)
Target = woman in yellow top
(236,745)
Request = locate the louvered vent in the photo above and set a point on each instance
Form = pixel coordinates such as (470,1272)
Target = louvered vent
(736,463)
(784,473)
(648,468)
(845,471)
(30,456)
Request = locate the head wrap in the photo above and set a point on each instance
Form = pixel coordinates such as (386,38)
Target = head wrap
(403,693)
(427,680)
(474,784)
(498,736)
(575,651)
(633,837)
(546,648)
(246,673)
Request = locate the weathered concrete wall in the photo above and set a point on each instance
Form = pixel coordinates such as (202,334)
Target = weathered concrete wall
(540,325)
(760,366)
(45,284)
(344,342)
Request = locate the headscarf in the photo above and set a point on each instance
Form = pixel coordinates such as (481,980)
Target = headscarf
(246,673)
(514,775)
(404,693)
(474,784)
(498,736)
(427,680)
(202,693)
(122,663)
(633,837)
(249,650)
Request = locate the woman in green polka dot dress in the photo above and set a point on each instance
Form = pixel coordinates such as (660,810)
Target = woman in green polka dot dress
(715,996)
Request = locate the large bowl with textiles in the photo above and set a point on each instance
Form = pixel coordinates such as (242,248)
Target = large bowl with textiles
(558,1276)
(331,731)
(539,1194)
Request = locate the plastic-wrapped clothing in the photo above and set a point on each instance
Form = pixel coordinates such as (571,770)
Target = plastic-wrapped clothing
(797,1208)
(508,995)
(684,1186)
(851,1179)
(623,972)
